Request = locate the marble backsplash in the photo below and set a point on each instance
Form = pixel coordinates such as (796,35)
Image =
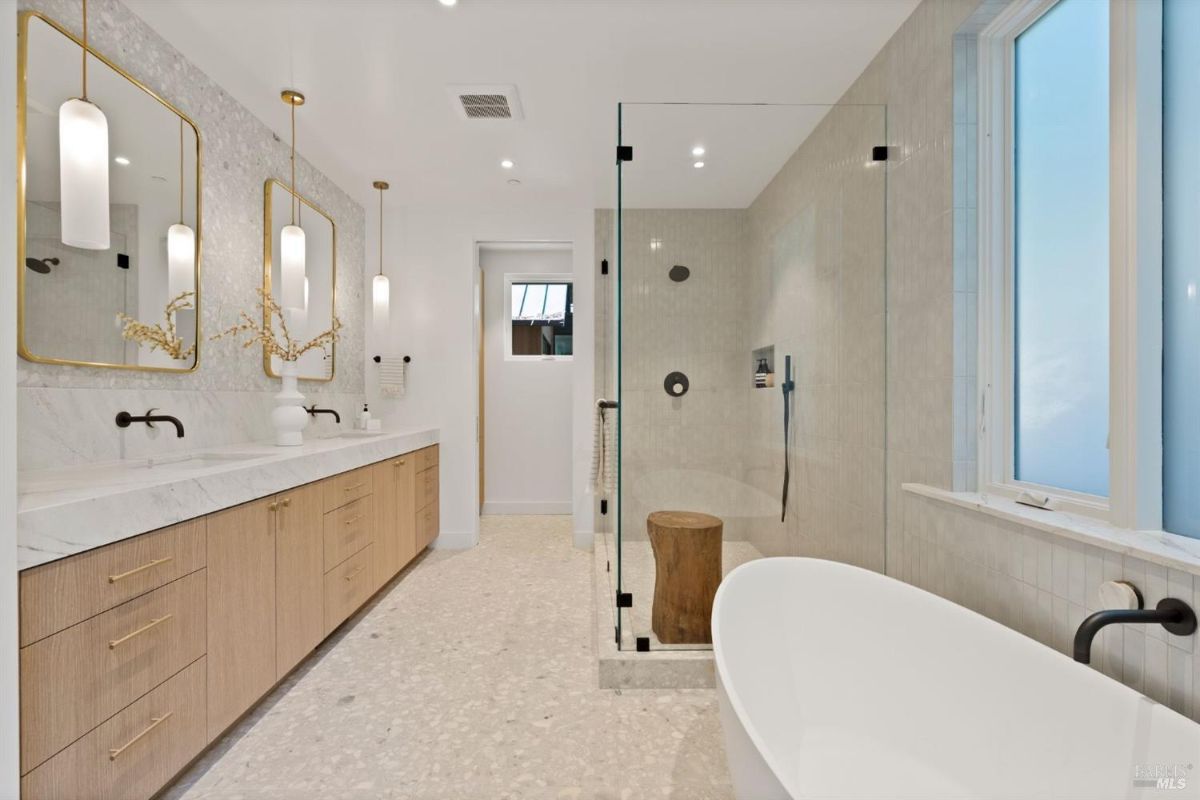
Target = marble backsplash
(66,413)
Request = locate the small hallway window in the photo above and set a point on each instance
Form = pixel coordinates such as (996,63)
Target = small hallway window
(541,314)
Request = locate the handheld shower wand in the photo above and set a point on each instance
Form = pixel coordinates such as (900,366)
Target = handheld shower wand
(789,386)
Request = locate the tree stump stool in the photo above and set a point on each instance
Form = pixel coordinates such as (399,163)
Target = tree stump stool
(687,571)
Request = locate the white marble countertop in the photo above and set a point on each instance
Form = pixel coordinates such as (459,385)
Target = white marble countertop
(1157,547)
(66,511)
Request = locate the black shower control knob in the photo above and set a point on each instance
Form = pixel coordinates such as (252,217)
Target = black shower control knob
(676,384)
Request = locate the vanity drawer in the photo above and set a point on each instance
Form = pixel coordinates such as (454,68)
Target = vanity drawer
(134,754)
(427,487)
(427,525)
(347,530)
(57,595)
(426,458)
(77,678)
(346,488)
(347,586)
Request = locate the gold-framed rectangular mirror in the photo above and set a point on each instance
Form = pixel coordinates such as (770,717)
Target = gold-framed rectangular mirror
(69,298)
(282,207)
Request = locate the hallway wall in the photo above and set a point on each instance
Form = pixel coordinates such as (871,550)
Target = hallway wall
(527,453)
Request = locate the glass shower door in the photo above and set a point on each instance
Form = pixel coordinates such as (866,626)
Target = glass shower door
(748,238)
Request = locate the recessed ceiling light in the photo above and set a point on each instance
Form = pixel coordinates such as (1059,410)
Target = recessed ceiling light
(697,150)
(122,160)
(698,165)
(513,182)
(507,163)
(448,3)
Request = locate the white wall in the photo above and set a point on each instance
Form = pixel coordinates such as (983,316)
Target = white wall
(527,423)
(430,259)
(9,772)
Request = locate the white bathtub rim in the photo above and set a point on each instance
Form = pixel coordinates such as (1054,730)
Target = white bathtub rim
(743,572)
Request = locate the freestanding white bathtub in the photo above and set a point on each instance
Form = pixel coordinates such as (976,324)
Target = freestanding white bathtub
(837,682)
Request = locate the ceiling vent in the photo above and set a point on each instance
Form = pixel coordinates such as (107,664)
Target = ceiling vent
(487,101)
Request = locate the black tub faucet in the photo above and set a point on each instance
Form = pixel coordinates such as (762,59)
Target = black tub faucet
(313,411)
(1172,613)
(125,419)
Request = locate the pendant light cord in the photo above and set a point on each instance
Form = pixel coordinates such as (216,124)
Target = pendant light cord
(85,49)
(381,230)
(293,203)
(181,170)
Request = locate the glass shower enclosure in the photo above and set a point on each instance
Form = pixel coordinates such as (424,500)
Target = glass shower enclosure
(747,331)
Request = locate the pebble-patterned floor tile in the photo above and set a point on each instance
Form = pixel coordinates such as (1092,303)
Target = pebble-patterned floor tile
(472,676)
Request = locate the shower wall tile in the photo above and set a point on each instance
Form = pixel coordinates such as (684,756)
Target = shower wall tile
(239,154)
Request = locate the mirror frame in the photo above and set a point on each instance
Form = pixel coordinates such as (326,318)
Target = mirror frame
(22,64)
(268,253)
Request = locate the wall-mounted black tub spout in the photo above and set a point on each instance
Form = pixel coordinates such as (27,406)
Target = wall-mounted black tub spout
(313,411)
(125,419)
(1173,614)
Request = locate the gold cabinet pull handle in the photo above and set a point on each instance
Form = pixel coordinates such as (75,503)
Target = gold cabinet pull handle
(154,723)
(353,520)
(112,645)
(287,501)
(355,574)
(399,463)
(273,507)
(148,565)
(355,486)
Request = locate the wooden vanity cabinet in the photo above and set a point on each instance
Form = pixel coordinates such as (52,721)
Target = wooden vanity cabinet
(299,575)
(241,610)
(151,647)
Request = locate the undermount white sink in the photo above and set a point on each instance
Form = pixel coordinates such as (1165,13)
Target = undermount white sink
(126,472)
(358,434)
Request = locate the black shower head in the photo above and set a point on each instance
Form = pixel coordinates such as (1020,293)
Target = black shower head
(41,265)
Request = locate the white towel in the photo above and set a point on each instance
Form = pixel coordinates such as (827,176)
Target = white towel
(393,376)
(604,451)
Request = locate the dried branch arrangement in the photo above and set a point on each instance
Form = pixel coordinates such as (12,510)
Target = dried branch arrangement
(163,337)
(279,343)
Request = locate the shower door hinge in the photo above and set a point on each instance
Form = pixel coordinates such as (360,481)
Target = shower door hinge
(604,266)
(879,153)
(643,644)
(624,152)
(603,506)
(624,600)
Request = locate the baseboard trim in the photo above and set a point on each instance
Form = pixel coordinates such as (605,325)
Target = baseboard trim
(448,540)
(507,508)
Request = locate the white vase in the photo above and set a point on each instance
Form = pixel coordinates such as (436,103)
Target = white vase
(289,417)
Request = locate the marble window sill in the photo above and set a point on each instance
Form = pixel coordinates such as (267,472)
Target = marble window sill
(1157,547)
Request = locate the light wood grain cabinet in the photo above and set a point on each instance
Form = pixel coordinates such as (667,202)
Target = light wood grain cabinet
(136,655)
(241,610)
(299,575)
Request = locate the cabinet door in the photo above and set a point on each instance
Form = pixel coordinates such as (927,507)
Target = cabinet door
(241,610)
(387,534)
(299,575)
(406,508)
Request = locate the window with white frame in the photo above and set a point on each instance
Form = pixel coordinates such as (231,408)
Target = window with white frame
(540,313)
(1071,304)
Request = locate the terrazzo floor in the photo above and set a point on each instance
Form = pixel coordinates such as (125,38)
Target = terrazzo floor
(472,676)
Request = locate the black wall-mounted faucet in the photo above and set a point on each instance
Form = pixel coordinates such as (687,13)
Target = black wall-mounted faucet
(313,411)
(125,419)
(1172,613)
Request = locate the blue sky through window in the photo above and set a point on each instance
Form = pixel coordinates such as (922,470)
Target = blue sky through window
(1061,258)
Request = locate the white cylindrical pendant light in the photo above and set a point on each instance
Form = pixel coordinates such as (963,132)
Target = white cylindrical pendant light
(181,260)
(83,166)
(381,295)
(381,289)
(297,318)
(83,174)
(291,267)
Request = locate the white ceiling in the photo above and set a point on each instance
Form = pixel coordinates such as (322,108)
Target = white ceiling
(376,71)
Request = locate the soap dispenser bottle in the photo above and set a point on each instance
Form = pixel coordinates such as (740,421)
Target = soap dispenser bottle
(364,419)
